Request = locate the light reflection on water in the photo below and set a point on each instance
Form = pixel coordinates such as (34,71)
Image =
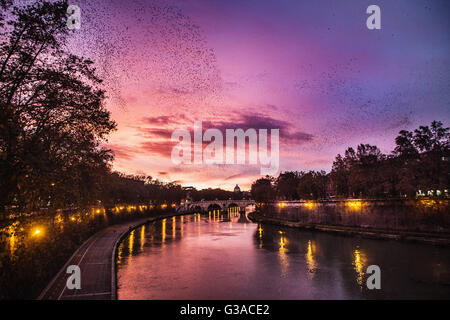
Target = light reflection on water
(131,244)
(142,239)
(163,230)
(311,262)
(359,262)
(221,255)
(284,260)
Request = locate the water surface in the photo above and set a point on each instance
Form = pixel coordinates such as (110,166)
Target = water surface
(224,256)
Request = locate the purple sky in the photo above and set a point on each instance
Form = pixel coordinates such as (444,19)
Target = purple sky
(310,68)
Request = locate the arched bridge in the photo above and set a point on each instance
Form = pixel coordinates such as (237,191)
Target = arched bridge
(205,206)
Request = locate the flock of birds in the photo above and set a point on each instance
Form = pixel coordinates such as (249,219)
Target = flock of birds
(150,42)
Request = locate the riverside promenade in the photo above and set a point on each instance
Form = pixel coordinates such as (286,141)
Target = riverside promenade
(96,259)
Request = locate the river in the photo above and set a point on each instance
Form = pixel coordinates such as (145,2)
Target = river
(222,255)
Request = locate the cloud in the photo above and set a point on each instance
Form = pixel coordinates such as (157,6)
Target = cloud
(162,127)
(162,148)
(165,120)
(287,134)
(122,151)
(251,174)
(156,120)
(163,133)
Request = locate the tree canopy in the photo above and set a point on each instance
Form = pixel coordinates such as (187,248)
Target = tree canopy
(53,119)
(419,162)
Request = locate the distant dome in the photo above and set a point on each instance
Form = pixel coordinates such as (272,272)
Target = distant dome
(237,189)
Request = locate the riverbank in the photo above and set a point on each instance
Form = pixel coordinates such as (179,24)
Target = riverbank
(96,258)
(441,239)
(34,248)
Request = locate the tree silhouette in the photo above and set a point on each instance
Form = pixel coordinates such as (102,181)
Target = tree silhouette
(286,185)
(52,112)
(262,190)
(313,185)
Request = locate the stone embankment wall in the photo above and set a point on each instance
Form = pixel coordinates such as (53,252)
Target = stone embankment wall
(425,215)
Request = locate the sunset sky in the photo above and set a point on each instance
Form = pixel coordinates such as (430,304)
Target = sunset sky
(310,68)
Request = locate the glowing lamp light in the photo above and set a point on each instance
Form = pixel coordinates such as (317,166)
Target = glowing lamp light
(309,205)
(428,203)
(356,205)
(282,204)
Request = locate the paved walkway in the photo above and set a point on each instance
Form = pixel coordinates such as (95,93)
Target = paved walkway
(96,259)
